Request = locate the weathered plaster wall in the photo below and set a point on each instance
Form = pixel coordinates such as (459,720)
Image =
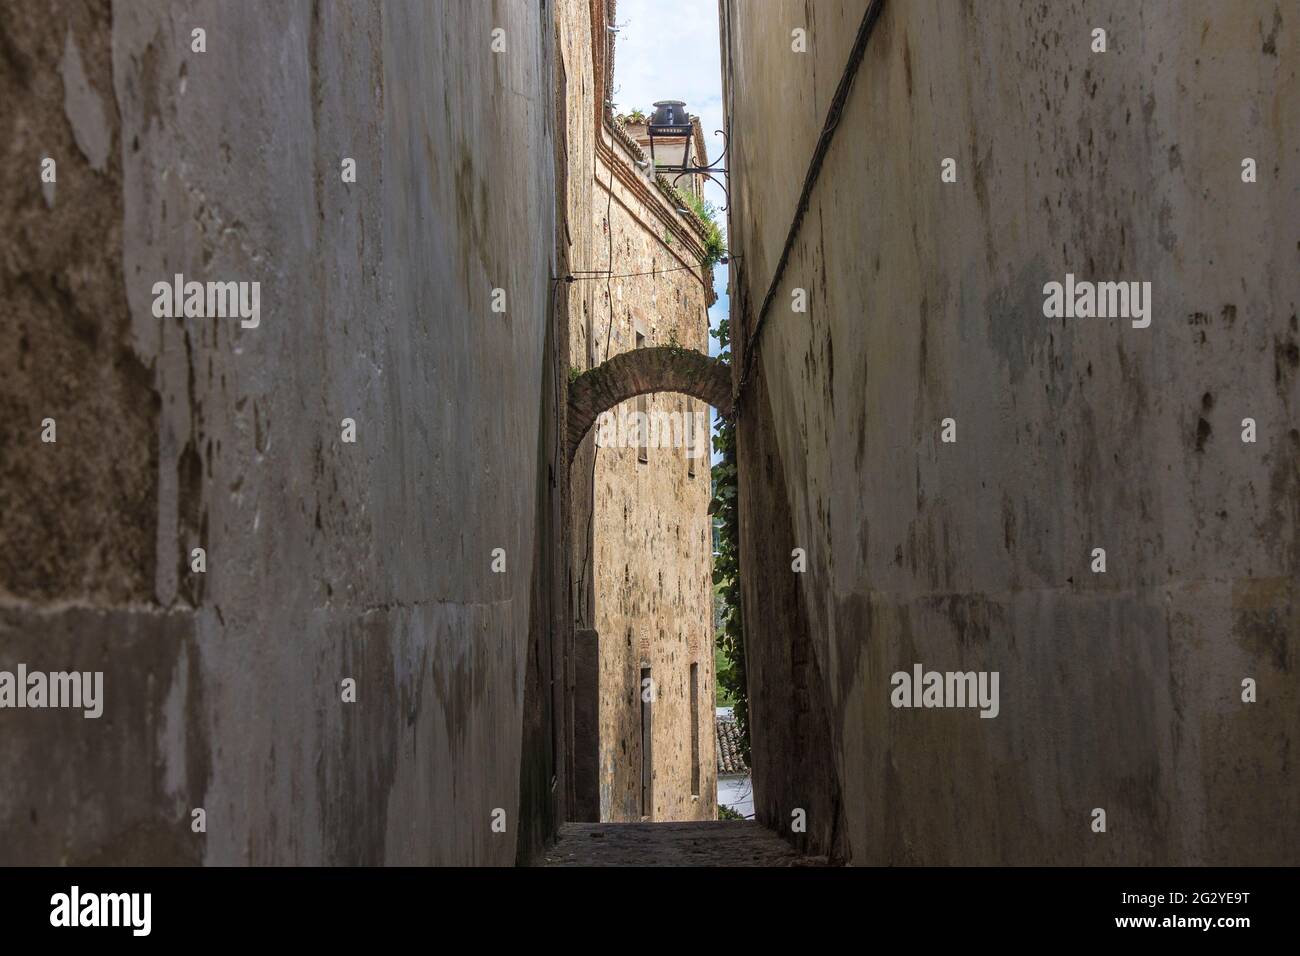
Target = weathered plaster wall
(1118,690)
(324,560)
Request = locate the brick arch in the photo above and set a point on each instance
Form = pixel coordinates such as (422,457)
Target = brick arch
(657,369)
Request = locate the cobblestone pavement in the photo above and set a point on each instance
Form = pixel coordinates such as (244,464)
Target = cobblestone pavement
(706,843)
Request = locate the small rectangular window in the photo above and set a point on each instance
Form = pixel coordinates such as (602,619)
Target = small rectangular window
(643,407)
(647,691)
(689,432)
(695,730)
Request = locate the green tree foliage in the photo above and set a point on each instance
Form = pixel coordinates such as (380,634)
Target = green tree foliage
(726,563)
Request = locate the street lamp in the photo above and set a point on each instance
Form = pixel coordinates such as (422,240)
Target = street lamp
(670,120)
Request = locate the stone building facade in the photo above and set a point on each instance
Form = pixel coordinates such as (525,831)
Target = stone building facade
(642,594)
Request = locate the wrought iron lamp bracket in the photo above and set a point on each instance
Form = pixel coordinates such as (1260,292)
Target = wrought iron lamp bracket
(712,171)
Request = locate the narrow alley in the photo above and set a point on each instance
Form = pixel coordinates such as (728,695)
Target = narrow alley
(705,843)
(580,433)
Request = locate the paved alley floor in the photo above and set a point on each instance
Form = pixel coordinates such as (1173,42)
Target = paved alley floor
(705,843)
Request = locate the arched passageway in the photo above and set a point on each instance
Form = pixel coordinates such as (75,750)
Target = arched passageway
(656,369)
(642,686)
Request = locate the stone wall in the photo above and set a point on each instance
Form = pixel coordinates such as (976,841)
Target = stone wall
(1119,690)
(642,551)
(653,552)
(325,560)
(577,134)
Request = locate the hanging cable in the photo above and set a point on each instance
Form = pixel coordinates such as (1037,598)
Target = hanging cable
(585,275)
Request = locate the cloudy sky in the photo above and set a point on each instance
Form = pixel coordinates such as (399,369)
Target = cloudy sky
(668,50)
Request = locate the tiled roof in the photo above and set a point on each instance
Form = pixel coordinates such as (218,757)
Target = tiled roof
(728,736)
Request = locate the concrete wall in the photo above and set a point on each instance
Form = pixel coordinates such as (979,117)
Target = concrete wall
(642,552)
(1120,690)
(325,560)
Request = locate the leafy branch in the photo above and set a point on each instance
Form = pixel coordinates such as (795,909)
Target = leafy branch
(726,563)
(714,247)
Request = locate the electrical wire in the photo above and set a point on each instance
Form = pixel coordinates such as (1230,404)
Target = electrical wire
(585,275)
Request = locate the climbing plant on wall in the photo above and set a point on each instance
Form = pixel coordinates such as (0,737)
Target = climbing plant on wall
(714,247)
(726,562)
